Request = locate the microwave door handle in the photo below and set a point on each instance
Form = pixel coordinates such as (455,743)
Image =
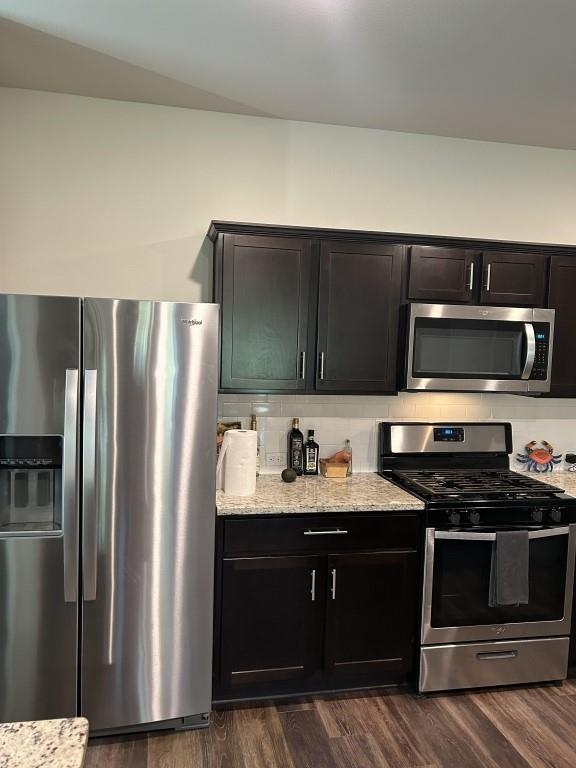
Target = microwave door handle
(530,350)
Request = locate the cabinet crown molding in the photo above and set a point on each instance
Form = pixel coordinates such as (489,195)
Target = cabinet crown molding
(218,227)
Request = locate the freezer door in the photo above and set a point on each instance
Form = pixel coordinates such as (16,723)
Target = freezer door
(38,636)
(39,340)
(149,507)
(39,362)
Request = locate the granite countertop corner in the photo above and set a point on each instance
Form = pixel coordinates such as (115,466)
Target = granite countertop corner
(364,492)
(44,743)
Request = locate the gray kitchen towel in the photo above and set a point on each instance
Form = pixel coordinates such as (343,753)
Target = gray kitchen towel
(509,569)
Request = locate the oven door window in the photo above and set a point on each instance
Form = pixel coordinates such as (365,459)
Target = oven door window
(468,349)
(460,588)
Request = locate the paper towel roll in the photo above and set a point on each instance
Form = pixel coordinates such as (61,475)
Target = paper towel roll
(236,469)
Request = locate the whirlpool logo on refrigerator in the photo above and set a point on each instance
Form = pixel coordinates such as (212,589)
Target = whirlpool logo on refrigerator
(190,321)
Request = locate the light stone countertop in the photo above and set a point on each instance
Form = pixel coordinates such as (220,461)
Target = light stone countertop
(363,492)
(560,478)
(44,743)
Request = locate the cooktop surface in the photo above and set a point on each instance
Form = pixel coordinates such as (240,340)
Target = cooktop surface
(468,484)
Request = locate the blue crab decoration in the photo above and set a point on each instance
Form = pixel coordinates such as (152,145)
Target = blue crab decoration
(539,457)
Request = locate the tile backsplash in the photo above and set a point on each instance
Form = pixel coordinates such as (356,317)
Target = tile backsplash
(337,417)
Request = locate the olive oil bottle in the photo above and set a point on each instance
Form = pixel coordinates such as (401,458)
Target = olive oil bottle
(296,448)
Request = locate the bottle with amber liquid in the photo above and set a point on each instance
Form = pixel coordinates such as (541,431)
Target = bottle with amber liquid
(296,448)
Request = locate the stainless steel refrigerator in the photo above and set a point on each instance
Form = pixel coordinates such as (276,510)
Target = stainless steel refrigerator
(107,456)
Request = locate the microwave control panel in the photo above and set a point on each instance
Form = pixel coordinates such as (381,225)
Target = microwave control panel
(542,334)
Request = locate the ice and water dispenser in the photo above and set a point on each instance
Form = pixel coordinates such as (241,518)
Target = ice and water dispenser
(30,483)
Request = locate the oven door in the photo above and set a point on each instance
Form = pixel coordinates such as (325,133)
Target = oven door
(456,586)
(504,349)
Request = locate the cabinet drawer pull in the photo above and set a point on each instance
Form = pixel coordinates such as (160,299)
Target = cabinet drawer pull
(333,587)
(336,532)
(313,587)
(497,655)
(321,374)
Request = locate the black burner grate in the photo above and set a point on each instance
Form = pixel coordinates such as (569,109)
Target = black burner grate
(470,483)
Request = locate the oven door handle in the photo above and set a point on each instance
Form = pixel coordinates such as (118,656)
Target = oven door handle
(530,350)
(491,536)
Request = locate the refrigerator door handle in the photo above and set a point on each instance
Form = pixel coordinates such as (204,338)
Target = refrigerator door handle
(69,487)
(90,522)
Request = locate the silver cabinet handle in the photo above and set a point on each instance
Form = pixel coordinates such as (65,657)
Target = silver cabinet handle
(530,350)
(334,532)
(471,277)
(322,358)
(333,587)
(303,364)
(497,655)
(70,487)
(542,533)
(90,529)
(488,275)
(313,587)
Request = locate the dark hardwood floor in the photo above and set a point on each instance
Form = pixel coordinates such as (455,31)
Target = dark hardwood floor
(506,728)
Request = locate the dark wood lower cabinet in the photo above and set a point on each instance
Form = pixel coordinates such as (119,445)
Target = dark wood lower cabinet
(371,611)
(272,617)
(299,622)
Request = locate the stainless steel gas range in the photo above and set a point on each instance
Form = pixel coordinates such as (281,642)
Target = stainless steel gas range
(461,471)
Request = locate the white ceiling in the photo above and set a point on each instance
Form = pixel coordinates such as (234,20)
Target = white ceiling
(501,70)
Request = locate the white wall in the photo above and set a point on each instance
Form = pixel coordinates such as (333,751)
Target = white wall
(111,198)
(114,198)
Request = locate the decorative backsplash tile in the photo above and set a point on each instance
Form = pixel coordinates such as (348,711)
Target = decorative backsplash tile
(336,417)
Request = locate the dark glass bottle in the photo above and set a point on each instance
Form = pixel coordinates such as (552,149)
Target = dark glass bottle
(296,448)
(311,452)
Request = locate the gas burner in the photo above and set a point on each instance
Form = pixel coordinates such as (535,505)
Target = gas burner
(471,484)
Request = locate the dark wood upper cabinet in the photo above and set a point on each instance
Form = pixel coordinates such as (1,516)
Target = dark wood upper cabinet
(307,310)
(513,279)
(358,310)
(463,276)
(371,615)
(562,298)
(272,618)
(266,288)
(441,274)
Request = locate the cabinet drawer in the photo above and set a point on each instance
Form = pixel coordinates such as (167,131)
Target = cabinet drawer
(321,533)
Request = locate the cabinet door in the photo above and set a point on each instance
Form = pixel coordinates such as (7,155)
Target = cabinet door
(441,274)
(516,279)
(266,285)
(371,617)
(272,618)
(359,305)
(562,298)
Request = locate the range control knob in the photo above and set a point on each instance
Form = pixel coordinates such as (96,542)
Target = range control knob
(556,515)
(454,518)
(537,515)
(474,518)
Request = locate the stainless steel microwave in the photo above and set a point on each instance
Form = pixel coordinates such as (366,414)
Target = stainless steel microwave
(478,349)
